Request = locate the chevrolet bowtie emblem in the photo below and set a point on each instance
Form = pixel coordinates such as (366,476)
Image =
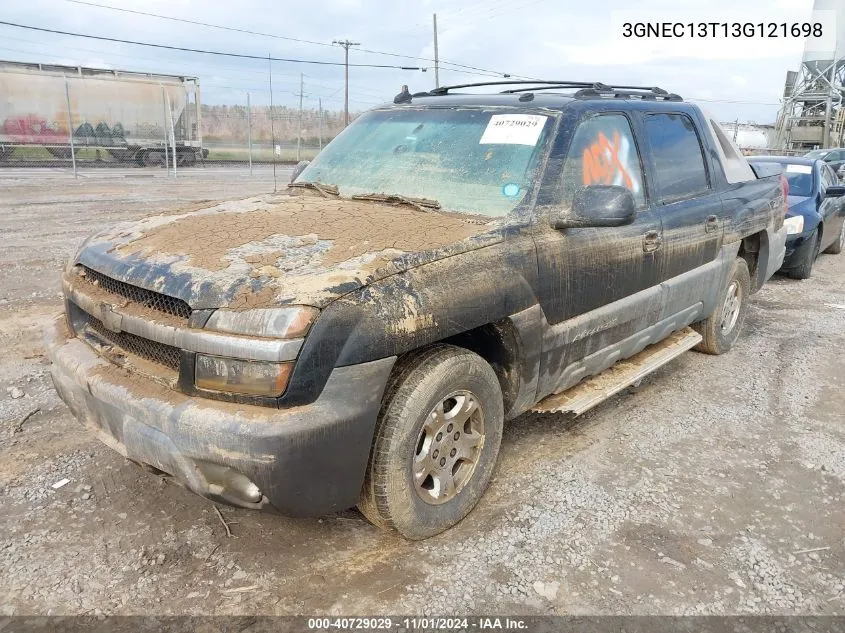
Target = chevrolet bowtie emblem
(111,319)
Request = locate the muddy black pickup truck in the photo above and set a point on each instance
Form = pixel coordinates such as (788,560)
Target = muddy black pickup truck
(448,262)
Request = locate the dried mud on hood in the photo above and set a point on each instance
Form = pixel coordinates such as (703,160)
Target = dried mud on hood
(276,249)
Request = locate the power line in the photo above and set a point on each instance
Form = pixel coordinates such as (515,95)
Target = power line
(280,37)
(168,62)
(502,9)
(475,11)
(205,52)
(493,12)
(216,66)
(361,92)
(198,23)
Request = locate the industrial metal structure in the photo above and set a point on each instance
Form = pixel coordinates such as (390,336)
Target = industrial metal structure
(146,118)
(813,115)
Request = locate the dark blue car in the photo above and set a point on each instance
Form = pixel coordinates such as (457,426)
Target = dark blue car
(816,217)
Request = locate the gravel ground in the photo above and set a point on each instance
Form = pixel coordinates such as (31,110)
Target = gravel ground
(715,487)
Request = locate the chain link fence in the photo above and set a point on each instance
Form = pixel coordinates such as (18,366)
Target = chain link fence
(80,118)
(246,133)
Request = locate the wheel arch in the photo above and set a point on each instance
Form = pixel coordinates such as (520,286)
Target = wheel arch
(499,344)
(755,249)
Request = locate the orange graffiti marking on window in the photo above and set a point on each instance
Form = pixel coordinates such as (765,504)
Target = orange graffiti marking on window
(602,163)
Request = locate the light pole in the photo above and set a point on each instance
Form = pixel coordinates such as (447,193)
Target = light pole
(346,44)
(436,56)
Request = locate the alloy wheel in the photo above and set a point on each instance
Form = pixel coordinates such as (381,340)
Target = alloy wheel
(731,308)
(448,447)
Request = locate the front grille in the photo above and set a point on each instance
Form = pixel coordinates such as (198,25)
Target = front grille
(150,350)
(142,296)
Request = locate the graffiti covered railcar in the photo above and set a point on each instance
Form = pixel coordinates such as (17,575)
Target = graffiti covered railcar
(130,116)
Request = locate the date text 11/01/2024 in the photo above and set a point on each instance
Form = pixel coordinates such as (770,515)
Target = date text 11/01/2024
(722,29)
(413,624)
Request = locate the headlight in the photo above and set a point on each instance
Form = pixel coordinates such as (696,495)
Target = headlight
(250,377)
(794,224)
(292,322)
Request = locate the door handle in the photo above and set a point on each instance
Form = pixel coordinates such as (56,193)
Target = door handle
(652,241)
(711,224)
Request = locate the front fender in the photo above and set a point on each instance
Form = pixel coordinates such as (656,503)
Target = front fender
(415,308)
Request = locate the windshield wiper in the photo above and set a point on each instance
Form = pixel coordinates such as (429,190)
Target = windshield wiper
(325,190)
(421,204)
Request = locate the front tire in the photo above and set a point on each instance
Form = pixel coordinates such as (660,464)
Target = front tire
(720,330)
(436,442)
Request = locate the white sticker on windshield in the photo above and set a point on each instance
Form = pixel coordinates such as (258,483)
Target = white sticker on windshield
(513,129)
(800,169)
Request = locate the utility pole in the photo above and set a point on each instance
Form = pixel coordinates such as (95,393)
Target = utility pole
(320,121)
(249,130)
(346,44)
(272,128)
(70,128)
(299,129)
(436,58)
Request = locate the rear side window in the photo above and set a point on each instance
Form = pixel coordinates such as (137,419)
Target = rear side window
(826,179)
(678,157)
(603,152)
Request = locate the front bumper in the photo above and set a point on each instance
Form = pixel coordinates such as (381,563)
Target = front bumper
(797,249)
(306,460)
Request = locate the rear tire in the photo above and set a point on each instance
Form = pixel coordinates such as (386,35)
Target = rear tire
(435,444)
(720,330)
(839,244)
(804,270)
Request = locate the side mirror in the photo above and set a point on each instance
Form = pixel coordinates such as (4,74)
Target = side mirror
(835,191)
(300,167)
(599,205)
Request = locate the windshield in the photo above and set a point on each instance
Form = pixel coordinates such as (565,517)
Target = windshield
(469,160)
(817,153)
(800,179)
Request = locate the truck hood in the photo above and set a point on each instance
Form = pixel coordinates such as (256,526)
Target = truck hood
(288,248)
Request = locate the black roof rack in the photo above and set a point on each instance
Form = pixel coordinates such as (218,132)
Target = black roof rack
(442,90)
(586,89)
(623,92)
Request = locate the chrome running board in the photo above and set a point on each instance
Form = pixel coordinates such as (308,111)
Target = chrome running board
(596,389)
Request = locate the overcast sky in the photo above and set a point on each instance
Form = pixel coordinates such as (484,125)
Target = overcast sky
(559,39)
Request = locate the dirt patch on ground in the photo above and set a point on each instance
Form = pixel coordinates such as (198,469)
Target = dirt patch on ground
(354,228)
